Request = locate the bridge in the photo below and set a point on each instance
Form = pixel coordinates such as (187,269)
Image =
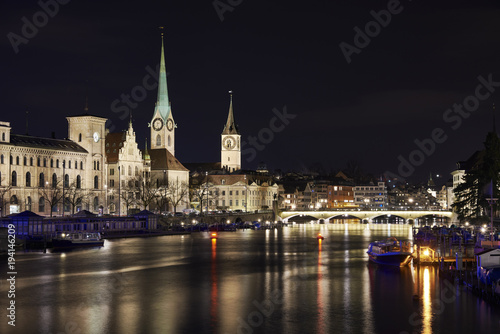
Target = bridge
(363,216)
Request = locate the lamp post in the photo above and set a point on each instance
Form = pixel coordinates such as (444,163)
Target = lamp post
(246,194)
(106,198)
(206,188)
(165,188)
(492,202)
(64,181)
(119,191)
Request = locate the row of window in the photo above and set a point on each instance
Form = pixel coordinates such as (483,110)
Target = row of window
(41,203)
(42,183)
(112,171)
(41,162)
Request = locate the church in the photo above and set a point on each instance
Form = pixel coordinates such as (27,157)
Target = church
(225,185)
(106,173)
(92,169)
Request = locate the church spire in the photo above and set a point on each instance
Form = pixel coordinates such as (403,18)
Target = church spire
(146,153)
(162,103)
(230,127)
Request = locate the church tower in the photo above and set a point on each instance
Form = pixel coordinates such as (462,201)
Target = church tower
(230,142)
(162,124)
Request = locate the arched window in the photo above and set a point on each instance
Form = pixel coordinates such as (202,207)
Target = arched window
(31,161)
(95,165)
(81,164)
(80,137)
(96,203)
(13,199)
(98,165)
(28,203)
(76,164)
(78,182)
(57,163)
(41,180)
(1,159)
(41,204)
(38,161)
(25,161)
(51,163)
(96,182)
(136,171)
(168,140)
(66,206)
(66,181)
(17,160)
(14,179)
(158,140)
(44,162)
(69,164)
(28,179)
(78,205)
(129,170)
(3,136)
(54,180)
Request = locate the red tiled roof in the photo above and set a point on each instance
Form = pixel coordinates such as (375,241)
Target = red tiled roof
(162,159)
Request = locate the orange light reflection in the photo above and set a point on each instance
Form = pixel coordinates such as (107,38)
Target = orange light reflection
(319,296)
(214,292)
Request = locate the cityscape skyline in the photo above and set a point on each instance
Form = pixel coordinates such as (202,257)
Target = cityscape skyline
(346,106)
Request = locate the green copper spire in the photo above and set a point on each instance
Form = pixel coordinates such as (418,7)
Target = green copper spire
(163,104)
(230,128)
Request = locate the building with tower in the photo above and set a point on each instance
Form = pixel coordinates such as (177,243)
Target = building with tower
(224,185)
(230,142)
(166,171)
(36,172)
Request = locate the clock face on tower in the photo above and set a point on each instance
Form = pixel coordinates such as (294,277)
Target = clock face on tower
(229,143)
(96,137)
(170,124)
(157,124)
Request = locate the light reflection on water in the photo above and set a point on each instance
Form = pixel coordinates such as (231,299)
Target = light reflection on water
(273,281)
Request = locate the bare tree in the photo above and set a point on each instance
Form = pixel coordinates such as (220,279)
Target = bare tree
(177,193)
(51,194)
(147,192)
(127,194)
(3,190)
(207,193)
(74,196)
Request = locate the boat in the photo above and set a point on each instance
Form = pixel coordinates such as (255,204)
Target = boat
(390,252)
(320,237)
(77,239)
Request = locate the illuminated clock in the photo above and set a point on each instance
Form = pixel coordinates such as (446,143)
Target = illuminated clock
(170,124)
(157,124)
(229,143)
(96,137)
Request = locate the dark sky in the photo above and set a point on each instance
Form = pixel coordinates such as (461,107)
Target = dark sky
(273,55)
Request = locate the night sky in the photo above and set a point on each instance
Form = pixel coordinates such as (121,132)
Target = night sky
(273,55)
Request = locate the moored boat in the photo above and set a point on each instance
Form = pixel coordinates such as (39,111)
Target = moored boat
(390,252)
(77,239)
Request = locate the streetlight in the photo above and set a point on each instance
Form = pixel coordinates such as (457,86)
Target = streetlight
(64,181)
(246,194)
(492,202)
(206,188)
(119,191)
(165,188)
(106,197)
